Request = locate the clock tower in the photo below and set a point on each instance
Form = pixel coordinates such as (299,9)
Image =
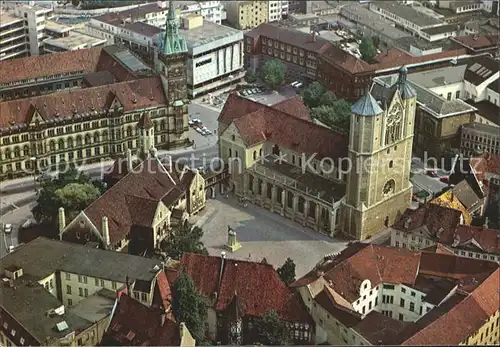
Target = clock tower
(171,62)
(380,151)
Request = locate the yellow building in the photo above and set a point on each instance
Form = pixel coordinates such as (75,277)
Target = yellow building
(356,295)
(65,295)
(247,14)
(448,199)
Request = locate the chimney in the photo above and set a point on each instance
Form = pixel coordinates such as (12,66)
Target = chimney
(127,283)
(222,261)
(313,34)
(62,220)
(105,231)
(129,160)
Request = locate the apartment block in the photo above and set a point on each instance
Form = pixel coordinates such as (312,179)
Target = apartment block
(65,295)
(247,14)
(278,10)
(22,30)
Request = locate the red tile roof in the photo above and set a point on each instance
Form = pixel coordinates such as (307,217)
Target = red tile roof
(134,324)
(134,199)
(486,164)
(347,317)
(475,301)
(164,295)
(477,41)
(294,107)
(133,95)
(485,239)
(257,123)
(257,286)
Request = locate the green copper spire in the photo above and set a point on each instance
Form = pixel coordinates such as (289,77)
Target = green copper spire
(173,43)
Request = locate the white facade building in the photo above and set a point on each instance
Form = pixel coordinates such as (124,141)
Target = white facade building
(22,30)
(215,55)
(277,9)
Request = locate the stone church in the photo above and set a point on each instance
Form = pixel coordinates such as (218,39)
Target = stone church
(86,106)
(356,184)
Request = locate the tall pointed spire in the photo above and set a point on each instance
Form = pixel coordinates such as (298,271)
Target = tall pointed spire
(406,91)
(173,42)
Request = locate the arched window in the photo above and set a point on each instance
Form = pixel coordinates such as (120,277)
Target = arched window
(260,153)
(105,136)
(26,150)
(254,155)
(129,131)
(61,144)
(88,140)
(96,137)
(52,146)
(163,124)
(78,141)
(17,152)
(70,142)
(389,187)
(8,154)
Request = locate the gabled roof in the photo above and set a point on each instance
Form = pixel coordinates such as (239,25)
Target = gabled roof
(448,199)
(294,107)
(82,103)
(257,286)
(467,195)
(134,324)
(134,199)
(257,123)
(487,239)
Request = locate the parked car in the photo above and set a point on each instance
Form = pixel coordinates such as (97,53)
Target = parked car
(444,179)
(196,121)
(7,228)
(199,130)
(432,173)
(207,132)
(255,90)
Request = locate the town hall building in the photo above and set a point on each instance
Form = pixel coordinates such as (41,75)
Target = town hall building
(85,106)
(356,183)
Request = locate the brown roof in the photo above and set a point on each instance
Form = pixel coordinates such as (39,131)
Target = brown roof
(475,301)
(486,239)
(338,57)
(84,60)
(486,164)
(480,68)
(134,324)
(290,36)
(257,123)
(438,248)
(294,107)
(477,41)
(347,317)
(134,199)
(257,286)
(132,95)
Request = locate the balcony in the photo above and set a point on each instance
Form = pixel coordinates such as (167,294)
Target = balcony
(10,38)
(7,31)
(6,48)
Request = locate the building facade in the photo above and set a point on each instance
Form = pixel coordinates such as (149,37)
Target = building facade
(247,14)
(477,138)
(353,303)
(278,10)
(22,30)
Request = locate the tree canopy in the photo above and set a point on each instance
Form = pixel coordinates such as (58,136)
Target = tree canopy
(189,307)
(71,189)
(312,94)
(273,72)
(367,49)
(336,115)
(250,77)
(287,271)
(184,239)
(271,330)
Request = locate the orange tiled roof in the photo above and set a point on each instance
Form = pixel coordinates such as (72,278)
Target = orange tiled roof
(132,95)
(256,286)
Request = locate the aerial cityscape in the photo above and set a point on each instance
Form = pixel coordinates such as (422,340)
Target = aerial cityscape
(199,173)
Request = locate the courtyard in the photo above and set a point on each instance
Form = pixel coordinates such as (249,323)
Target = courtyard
(263,234)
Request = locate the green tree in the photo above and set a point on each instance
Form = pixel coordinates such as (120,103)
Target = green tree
(250,77)
(312,94)
(367,49)
(376,41)
(271,330)
(336,116)
(189,307)
(328,99)
(80,192)
(273,72)
(184,239)
(287,271)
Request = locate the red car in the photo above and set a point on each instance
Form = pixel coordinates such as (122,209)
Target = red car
(444,179)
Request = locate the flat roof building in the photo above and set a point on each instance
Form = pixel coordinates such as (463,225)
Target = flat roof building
(72,42)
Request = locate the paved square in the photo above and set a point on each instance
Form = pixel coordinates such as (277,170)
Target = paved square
(263,234)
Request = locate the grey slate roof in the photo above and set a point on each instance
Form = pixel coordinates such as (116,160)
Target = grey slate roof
(366,106)
(52,256)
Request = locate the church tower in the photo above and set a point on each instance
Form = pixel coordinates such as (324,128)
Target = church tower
(380,151)
(171,62)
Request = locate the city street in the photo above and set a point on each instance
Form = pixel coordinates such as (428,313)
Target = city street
(15,217)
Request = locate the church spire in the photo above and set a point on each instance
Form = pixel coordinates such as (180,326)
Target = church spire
(173,42)
(406,91)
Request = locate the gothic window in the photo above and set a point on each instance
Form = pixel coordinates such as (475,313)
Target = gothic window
(105,135)
(78,141)
(70,142)
(96,137)
(394,124)
(26,150)
(87,139)
(52,146)
(61,144)
(17,152)
(389,187)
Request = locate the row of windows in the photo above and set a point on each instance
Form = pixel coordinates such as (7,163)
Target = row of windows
(98,282)
(13,333)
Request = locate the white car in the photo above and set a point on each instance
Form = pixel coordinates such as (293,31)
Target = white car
(207,132)
(7,228)
(199,131)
